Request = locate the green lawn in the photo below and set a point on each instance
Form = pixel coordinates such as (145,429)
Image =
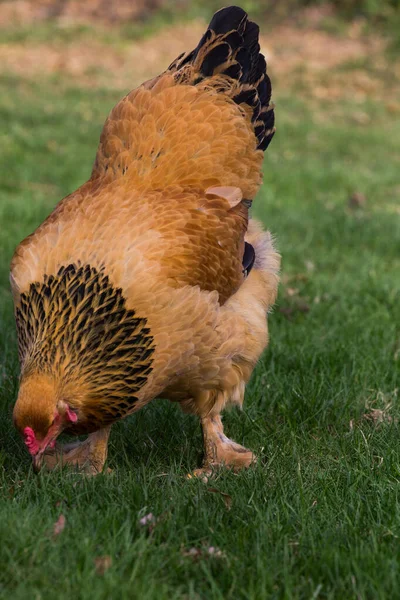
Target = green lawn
(319,516)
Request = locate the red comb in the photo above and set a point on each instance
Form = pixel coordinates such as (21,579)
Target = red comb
(30,440)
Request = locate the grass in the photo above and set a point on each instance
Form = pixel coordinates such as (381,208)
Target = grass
(56,31)
(319,516)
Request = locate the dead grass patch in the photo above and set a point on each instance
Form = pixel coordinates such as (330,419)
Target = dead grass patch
(314,64)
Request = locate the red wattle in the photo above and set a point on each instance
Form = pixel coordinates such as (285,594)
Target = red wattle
(30,441)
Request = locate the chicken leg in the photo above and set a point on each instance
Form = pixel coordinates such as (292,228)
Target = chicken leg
(220,450)
(88,456)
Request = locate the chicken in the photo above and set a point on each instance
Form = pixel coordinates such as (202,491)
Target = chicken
(150,280)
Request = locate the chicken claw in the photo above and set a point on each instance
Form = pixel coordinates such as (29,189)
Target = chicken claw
(220,451)
(88,456)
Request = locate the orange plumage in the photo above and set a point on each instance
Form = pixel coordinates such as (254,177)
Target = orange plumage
(137,285)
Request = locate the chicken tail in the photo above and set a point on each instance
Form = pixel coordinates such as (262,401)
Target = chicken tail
(228,59)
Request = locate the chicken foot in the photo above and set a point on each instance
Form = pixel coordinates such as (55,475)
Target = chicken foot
(220,451)
(88,456)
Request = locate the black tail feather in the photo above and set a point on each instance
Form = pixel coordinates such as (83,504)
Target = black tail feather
(228,19)
(230,47)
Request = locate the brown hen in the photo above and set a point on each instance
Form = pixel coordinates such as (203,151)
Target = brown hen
(140,284)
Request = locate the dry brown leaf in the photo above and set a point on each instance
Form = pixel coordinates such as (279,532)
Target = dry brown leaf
(286,311)
(357,200)
(102,564)
(193,553)
(290,311)
(59,525)
(286,279)
(225,497)
(292,291)
(377,415)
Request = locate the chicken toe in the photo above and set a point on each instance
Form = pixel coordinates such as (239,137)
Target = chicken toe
(88,456)
(220,451)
